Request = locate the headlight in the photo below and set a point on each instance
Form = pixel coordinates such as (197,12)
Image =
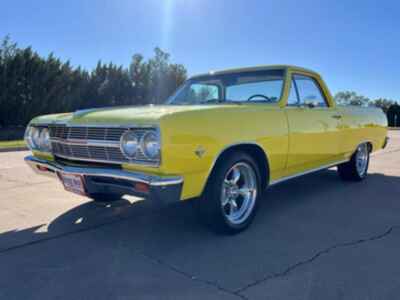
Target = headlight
(151,145)
(129,144)
(38,138)
(44,139)
(29,137)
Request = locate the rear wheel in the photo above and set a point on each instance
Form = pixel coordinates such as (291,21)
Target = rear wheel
(231,196)
(357,168)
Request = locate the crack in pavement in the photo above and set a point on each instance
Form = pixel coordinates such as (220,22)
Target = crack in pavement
(175,269)
(57,236)
(215,284)
(151,258)
(141,253)
(315,257)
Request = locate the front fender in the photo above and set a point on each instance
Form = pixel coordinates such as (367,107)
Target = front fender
(192,141)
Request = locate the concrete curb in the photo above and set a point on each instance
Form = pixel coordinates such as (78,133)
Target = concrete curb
(12,149)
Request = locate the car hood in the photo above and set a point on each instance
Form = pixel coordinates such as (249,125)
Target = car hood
(137,115)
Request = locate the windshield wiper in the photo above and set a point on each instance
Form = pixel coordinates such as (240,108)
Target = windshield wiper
(210,101)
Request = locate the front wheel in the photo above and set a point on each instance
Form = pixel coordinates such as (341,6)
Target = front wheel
(231,196)
(357,168)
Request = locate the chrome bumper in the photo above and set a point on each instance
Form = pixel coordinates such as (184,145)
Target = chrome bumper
(161,189)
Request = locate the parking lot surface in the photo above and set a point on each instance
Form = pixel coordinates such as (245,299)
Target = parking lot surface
(314,237)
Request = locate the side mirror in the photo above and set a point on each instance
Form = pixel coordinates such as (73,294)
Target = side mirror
(311,103)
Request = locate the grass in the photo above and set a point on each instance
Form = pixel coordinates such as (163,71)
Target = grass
(12,144)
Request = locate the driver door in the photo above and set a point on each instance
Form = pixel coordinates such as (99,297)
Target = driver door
(314,126)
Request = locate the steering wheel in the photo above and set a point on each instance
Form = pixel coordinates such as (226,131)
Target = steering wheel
(259,95)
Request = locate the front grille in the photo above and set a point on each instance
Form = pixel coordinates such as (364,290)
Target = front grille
(101,154)
(86,133)
(69,142)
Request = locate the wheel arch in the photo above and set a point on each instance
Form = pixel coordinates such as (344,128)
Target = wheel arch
(251,148)
(370,146)
(369,143)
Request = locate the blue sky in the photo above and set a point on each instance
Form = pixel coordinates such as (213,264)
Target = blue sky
(354,44)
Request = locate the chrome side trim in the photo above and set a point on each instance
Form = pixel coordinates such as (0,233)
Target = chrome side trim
(307,172)
(53,167)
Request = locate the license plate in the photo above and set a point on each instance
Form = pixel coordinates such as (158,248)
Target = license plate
(73,183)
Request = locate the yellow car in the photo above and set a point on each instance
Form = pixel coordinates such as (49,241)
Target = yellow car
(221,139)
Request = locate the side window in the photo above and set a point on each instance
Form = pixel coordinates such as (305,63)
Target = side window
(267,90)
(309,91)
(202,92)
(293,99)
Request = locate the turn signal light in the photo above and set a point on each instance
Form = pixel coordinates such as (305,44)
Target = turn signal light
(141,187)
(43,169)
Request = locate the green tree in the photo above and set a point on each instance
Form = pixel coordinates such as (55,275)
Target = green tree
(140,77)
(393,115)
(156,79)
(382,103)
(32,85)
(350,98)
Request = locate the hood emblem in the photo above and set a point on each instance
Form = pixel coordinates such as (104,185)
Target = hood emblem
(200,151)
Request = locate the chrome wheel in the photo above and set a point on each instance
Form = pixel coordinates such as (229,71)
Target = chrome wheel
(362,159)
(239,193)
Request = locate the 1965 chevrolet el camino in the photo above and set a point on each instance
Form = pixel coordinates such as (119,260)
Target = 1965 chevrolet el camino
(222,138)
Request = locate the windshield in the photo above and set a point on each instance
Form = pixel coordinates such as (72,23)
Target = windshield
(256,86)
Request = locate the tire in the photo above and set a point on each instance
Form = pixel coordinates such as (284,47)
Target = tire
(105,198)
(357,168)
(230,199)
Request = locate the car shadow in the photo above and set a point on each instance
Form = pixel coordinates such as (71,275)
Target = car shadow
(295,219)
(284,196)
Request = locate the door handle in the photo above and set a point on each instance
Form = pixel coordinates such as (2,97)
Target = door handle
(337,117)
